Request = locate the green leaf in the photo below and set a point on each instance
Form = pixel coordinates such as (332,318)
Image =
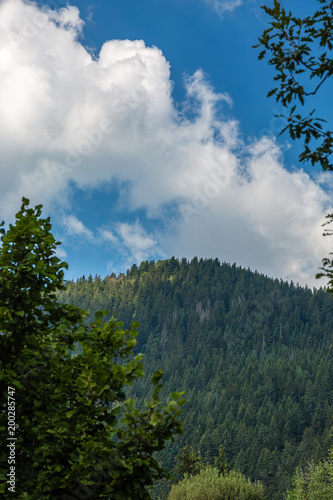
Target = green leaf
(172,405)
(155,419)
(157,377)
(17,384)
(130,403)
(82,382)
(70,413)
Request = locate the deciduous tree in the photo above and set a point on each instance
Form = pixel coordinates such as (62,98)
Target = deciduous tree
(77,436)
(300,50)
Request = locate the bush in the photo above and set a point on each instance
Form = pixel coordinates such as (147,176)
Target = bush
(313,483)
(210,485)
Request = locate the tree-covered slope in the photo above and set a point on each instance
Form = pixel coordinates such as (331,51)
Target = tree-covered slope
(253,354)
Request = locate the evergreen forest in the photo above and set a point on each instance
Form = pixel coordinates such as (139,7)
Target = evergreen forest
(254,355)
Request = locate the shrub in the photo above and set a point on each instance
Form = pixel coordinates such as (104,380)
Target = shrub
(210,485)
(313,483)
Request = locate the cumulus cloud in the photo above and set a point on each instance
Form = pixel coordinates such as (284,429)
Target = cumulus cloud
(69,116)
(267,219)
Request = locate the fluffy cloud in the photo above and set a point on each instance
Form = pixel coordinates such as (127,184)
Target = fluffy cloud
(68,116)
(267,218)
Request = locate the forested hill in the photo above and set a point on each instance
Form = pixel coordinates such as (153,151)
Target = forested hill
(254,355)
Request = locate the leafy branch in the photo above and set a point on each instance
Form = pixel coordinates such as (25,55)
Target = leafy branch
(299,49)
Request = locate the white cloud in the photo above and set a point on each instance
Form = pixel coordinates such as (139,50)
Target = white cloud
(107,235)
(137,241)
(133,240)
(223,6)
(61,253)
(269,219)
(67,17)
(68,116)
(75,227)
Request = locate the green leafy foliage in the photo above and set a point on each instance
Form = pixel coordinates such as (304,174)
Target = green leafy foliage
(327,268)
(253,354)
(300,50)
(208,484)
(77,434)
(314,482)
(221,462)
(188,462)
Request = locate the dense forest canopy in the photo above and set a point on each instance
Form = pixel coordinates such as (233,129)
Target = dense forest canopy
(253,354)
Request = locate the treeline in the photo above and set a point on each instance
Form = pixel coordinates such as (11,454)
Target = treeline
(253,354)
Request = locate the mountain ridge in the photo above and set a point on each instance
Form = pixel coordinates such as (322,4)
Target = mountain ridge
(254,355)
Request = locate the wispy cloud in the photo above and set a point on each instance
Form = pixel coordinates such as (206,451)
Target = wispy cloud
(100,235)
(75,227)
(224,6)
(137,241)
(107,235)
(61,253)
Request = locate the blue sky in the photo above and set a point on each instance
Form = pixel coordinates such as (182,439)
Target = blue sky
(144,129)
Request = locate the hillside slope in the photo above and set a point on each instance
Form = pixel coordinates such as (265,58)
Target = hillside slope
(254,355)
